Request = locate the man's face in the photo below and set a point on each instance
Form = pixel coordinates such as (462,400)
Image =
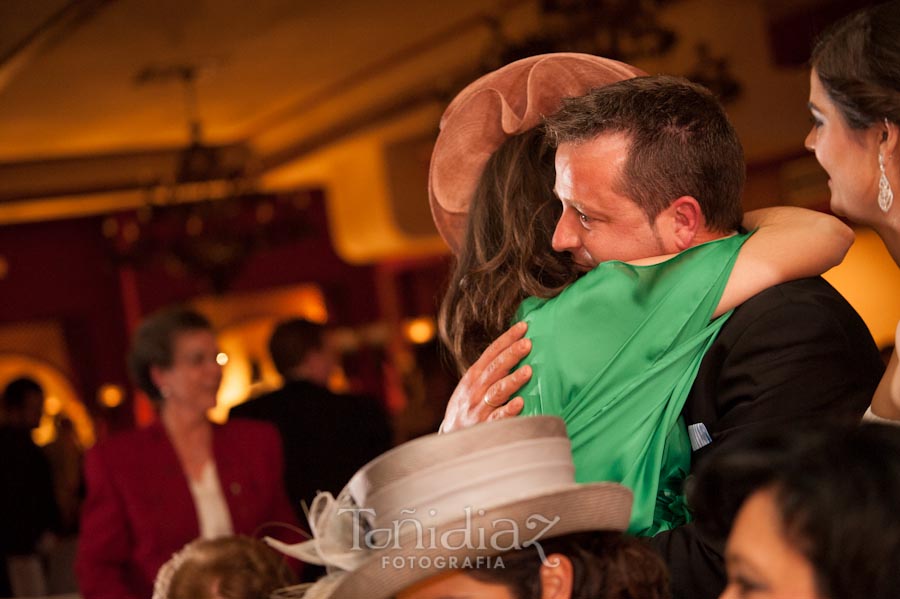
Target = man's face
(33,409)
(598,223)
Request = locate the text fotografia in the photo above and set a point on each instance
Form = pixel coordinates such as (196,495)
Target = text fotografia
(410,534)
(442,562)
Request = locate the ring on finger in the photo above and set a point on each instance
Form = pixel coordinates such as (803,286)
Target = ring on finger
(487,403)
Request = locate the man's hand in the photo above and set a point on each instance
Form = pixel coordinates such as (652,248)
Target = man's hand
(484,391)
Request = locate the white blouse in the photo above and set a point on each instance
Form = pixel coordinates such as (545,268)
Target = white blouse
(209,501)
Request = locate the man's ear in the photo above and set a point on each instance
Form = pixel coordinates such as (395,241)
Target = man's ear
(556,577)
(680,224)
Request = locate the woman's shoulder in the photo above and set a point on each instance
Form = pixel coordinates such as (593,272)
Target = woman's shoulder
(606,279)
(618,284)
(713,249)
(122,449)
(122,439)
(687,266)
(245,428)
(253,443)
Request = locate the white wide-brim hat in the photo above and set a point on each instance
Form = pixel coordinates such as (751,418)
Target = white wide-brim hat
(452,501)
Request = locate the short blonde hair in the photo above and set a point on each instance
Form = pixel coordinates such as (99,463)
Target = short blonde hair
(237,567)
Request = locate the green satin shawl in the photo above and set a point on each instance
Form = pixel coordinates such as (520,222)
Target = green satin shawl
(615,355)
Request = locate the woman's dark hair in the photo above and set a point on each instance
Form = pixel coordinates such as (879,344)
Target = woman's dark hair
(153,343)
(745,464)
(606,565)
(506,254)
(858,62)
(836,490)
(838,504)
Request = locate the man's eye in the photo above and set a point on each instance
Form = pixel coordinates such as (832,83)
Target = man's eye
(584,218)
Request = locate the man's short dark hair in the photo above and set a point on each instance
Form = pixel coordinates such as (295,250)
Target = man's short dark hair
(291,341)
(17,392)
(681,144)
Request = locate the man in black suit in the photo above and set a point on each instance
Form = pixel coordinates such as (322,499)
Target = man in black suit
(327,436)
(28,510)
(796,352)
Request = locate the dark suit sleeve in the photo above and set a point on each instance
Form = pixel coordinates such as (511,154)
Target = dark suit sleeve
(795,353)
(694,560)
(280,509)
(380,434)
(792,354)
(247,410)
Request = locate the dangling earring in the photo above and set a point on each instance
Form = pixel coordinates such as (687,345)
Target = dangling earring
(885,193)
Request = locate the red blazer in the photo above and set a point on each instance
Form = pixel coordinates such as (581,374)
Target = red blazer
(139,509)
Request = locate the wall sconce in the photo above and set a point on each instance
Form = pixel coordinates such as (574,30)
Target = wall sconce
(419,330)
(110,396)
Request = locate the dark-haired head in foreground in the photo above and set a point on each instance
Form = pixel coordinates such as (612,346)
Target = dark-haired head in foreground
(814,512)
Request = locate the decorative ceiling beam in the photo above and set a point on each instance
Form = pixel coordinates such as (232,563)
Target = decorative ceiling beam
(60,24)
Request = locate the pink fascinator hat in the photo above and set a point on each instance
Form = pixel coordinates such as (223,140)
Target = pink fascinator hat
(499,105)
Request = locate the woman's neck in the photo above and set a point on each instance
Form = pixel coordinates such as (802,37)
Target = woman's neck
(182,423)
(191,435)
(889,231)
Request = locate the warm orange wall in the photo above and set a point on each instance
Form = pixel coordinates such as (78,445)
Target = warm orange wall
(870,280)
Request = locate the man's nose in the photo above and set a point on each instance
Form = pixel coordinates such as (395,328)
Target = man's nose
(565,238)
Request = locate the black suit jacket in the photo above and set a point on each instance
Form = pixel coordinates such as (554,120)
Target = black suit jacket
(794,353)
(327,437)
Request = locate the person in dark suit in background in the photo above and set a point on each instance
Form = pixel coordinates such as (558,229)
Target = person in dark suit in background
(327,436)
(28,510)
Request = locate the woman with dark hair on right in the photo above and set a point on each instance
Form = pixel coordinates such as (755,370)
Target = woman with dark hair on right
(854,98)
(816,515)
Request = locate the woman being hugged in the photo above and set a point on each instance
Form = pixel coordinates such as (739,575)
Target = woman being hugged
(616,350)
(854,98)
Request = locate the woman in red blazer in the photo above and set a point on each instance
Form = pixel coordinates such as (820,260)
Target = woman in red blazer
(151,491)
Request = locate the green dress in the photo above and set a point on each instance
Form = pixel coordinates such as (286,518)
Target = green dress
(615,356)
